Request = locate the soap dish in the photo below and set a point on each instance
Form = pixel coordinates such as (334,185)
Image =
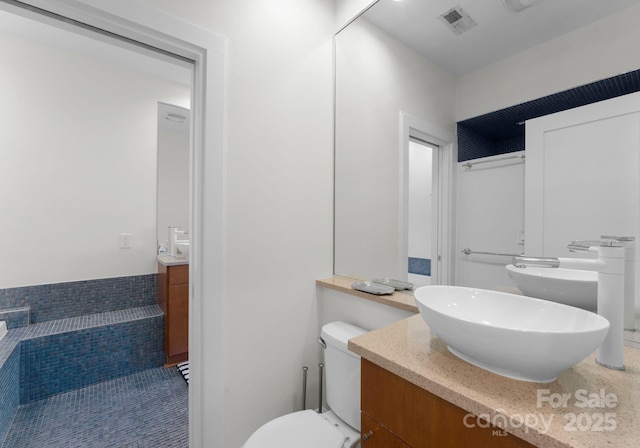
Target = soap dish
(396,284)
(373,288)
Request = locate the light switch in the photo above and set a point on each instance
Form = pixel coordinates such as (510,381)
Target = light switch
(126,240)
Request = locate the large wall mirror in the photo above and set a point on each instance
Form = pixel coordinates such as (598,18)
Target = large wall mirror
(406,73)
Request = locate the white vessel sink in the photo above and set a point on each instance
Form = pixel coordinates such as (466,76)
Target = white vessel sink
(514,336)
(3,329)
(569,286)
(183,248)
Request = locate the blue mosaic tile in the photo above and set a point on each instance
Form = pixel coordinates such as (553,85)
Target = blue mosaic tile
(15,317)
(71,299)
(501,131)
(421,266)
(58,356)
(146,409)
(9,391)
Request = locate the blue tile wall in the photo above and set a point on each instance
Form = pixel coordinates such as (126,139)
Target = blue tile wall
(64,355)
(501,131)
(9,391)
(63,300)
(420,266)
(15,317)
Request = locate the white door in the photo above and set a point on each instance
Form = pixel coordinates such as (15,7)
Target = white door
(582,175)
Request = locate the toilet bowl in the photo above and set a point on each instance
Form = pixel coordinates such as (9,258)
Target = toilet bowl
(336,428)
(306,429)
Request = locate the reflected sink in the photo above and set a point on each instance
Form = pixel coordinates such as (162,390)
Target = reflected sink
(3,329)
(569,286)
(511,335)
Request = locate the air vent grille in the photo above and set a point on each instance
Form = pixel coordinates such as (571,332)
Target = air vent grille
(457,20)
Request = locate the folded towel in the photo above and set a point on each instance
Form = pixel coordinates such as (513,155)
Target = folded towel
(183,368)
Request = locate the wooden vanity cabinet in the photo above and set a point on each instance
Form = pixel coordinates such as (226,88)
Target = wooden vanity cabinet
(397,413)
(173,299)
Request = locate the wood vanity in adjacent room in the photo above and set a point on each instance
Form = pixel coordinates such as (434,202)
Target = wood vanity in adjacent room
(173,299)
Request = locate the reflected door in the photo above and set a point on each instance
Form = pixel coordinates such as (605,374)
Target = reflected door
(421,214)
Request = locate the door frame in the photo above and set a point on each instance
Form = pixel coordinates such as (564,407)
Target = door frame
(142,23)
(442,219)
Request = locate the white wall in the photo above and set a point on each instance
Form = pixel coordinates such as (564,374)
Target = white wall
(597,51)
(279,196)
(77,166)
(600,50)
(490,215)
(377,78)
(348,9)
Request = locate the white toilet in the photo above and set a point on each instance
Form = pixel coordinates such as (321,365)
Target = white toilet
(337,428)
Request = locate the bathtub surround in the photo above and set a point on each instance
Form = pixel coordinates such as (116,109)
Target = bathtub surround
(71,299)
(66,336)
(68,354)
(15,317)
(62,355)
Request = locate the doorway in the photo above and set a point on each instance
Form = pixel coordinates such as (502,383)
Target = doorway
(206,51)
(423,175)
(426,183)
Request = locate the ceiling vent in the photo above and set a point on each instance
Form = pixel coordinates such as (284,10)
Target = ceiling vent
(458,20)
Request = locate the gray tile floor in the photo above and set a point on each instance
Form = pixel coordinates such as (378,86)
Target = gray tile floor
(147,409)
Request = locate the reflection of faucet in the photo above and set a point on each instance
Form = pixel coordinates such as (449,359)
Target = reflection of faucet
(610,265)
(173,240)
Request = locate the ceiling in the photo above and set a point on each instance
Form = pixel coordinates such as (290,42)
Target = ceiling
(499,32)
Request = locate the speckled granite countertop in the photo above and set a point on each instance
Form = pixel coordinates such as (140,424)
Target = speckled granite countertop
(402,300)
(168,260)
(408,349)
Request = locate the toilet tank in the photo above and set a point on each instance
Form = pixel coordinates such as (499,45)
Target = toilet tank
(342,372)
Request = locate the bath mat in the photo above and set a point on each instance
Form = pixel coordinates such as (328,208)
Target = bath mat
(183,368)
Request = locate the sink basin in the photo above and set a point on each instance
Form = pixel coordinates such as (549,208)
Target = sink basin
(183,248)
(3,329)
(569,286)
(511,335)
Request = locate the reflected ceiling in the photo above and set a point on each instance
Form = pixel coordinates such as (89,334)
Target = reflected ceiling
(499,32)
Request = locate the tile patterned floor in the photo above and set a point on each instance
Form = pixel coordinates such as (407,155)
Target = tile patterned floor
(147,409)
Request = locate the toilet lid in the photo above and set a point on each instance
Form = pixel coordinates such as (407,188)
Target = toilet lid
(304,428)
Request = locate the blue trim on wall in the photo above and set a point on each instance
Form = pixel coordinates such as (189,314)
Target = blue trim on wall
(502,132)
(420,266)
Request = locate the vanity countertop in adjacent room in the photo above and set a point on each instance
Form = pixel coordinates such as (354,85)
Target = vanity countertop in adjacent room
(168,260)
(408,349)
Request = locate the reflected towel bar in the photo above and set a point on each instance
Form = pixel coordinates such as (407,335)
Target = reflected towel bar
(468,165)
(468,251)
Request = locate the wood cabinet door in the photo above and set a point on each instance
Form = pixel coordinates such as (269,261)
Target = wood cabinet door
(375,435)
(178,319)
(422,419)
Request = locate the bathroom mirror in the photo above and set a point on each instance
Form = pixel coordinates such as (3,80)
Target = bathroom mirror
(173,170)
(381,79)
(392,106)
